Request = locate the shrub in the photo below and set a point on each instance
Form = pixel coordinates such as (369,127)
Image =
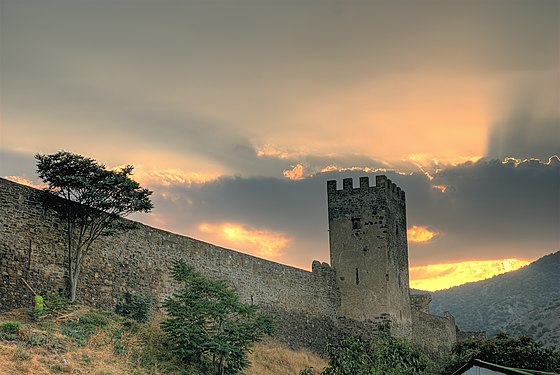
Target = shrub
(36,340)
(55,304)
(138,307)
(306,371)
(502,349)
(208,325)
(9,330)
(386,355)
(88,324)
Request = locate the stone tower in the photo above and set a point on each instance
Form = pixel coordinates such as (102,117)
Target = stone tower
(368,250)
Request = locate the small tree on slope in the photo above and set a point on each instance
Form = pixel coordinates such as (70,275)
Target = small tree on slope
(209,326)
(94,199)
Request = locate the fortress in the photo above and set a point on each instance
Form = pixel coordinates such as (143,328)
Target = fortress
(365,287)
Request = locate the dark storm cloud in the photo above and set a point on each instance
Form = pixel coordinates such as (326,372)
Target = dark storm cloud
(490,210)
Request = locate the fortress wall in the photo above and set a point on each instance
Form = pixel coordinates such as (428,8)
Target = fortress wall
(421,302)
(434,334)
(32,245)
(304,304)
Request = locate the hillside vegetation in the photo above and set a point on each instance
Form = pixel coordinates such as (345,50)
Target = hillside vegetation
(522,302)
(88,341)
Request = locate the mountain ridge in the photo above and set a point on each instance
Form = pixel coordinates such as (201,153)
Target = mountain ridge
(521,302)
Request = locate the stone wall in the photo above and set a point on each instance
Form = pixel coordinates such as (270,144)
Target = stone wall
(367,233)
(32,245)
(421,302)
(305,305)
(434,334)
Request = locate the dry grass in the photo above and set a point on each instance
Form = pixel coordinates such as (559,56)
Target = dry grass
(18,360)
(277,359)
(56,353)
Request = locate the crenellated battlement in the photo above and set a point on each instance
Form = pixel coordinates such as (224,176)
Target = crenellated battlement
(381,182)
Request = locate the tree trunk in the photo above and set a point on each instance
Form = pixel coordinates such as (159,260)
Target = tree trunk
(73,287)
(75,275)
(71,279)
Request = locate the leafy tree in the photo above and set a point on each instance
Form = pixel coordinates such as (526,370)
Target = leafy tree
(386,355)
(349,356)
(136,306)
(94,199)
(502,349)
(208,325)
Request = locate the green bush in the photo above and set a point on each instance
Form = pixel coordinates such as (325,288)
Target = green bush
(88,324)
(36,340)
(9,330)
(153,355)
(55,304)
(306,371)
(136,306)
(209,326)
(384,356)
(503,349)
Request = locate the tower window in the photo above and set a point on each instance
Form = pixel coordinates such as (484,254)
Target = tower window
(357,277)
(356,224)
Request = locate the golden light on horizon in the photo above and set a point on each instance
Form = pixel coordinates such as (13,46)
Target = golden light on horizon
(259,242)
(25,181)
(442,276)
(420,234)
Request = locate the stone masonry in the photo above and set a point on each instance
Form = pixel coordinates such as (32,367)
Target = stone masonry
(367,232)
(310,308)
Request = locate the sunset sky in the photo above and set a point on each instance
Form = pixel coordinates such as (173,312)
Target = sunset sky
(236,113)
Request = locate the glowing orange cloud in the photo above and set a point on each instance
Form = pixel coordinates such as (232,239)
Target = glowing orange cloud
(431,161)
(420,234)
(333,168)
(169,177)
(270,150)
(553,160)
(25,181)
(443,276)
(259,242)
(296,173)
(429,164)
(441,188)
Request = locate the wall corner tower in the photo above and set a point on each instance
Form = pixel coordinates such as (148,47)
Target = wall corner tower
(369,252)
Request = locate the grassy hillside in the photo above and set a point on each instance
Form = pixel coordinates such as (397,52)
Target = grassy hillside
(87,341)
(526,301)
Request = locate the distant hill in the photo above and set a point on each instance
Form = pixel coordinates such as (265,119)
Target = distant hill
(522,302)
